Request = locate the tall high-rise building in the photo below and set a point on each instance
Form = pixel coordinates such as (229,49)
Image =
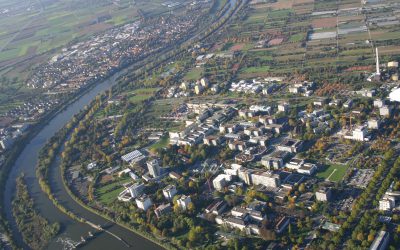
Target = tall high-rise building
(154,168)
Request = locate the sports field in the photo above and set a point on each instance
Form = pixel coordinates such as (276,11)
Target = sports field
(333,172)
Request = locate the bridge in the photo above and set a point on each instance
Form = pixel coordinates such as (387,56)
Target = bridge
(90,235)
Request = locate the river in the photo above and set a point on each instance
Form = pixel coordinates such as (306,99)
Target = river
(70,229)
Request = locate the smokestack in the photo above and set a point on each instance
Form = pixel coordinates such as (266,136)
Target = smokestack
(378,72)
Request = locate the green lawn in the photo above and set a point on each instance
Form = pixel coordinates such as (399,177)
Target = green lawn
(193,74)
(108,193)
(334,172)
(162,143)
(297,38)
(140,95)
(252,70)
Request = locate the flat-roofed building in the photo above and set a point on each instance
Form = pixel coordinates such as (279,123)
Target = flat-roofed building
(276,160)
(323,194)
(217,207)
(169,192)
(381,241)
(295,163)
(162,210)
(308,169)
(374,123)
(265,178)
(131,192)
(387,203)
(144,202)
(184,202)
(135,156)
(282,225)
(290,145)
(385,110)
(235,222)
(221,181)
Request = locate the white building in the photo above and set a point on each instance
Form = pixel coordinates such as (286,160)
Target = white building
(385,110)
(394,96)
(267,179)
(323,194)
(308,169)
(221,181)
(294,163)
(283,107)
(359,134)
(169,192)
(162,209)
(374,123)
(379,103)
(393,64)
(91,166)
(144,202)
(387,203)
(134,156)
(234,222)
(131,192)
(184,201)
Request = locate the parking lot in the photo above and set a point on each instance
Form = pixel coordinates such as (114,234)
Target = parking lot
(361,177)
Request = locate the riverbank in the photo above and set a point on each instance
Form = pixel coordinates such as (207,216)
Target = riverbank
(18,148)
(47,157)
(35,229)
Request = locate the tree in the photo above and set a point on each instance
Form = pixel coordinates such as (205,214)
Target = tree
(191,207)
(302,188)
(196,234)
(360,236)
(371,237)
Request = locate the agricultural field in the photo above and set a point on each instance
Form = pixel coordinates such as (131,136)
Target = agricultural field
(307,36)
(30,30)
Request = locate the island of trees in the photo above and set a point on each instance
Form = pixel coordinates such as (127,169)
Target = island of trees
(36,231)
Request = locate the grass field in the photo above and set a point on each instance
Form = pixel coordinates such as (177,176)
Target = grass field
(142,94)
(162,143)
(252,70)
(108,193)
(333,172)
(194,74)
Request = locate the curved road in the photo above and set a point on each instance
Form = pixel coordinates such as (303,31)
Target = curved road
(71,229)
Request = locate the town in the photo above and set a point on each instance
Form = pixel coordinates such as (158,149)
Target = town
(266,169)
(104,54)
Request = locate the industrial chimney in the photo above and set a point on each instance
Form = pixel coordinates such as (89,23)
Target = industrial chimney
(378,72)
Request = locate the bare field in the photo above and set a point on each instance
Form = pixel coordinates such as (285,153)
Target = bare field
(328,22)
